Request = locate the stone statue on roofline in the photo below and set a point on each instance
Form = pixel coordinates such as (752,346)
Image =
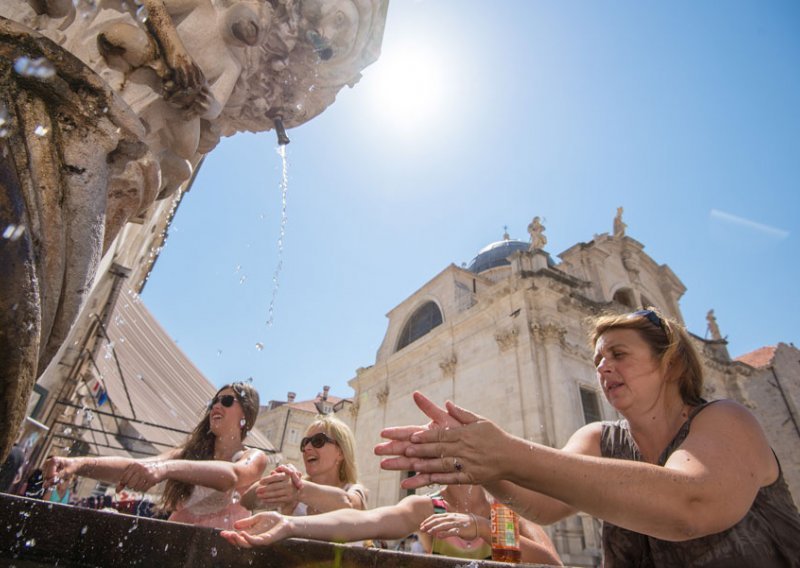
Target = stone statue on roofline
(713,327)
(619,224)
(536,231)
(108,105)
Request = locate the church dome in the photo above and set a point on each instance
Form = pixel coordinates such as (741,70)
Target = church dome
(496,254)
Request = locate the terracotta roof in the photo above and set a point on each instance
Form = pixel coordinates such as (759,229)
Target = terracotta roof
(761,357)
(152,386)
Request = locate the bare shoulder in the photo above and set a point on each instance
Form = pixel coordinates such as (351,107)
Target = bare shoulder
(729,413)
(586,440)
(727,426)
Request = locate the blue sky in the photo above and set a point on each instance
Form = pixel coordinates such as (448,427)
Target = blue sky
(480,115)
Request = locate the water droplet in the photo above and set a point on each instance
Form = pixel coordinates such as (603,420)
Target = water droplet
(13,232)
(213,551)
(260,346)
(67,431)
(235,497)
(84,529)
(219,352)
(242,279)
(30,543)
(166,547)
(5,121)
(39,68)
(119,545)
(40,130)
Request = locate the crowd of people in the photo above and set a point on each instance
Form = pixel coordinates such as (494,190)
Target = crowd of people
(667,479)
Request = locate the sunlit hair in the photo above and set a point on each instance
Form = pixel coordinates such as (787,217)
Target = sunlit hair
(200,443)
(670,344)
(339,431)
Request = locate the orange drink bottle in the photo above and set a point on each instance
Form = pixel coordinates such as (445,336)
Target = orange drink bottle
(505,534)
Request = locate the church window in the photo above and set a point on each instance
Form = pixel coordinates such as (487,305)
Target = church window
(591,406)
(421,322)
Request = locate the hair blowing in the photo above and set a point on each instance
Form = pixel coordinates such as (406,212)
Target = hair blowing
(200,443)
(677,357)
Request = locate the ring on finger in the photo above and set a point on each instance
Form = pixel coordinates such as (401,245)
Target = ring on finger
(457,464)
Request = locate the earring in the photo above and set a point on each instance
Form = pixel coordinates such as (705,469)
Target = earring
(242,423)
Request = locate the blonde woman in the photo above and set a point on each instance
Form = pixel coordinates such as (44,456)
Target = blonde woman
(204,476)
(331,480)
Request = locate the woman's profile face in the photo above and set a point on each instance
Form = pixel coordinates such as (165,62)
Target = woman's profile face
(627,371)
(226,420)
(323,460)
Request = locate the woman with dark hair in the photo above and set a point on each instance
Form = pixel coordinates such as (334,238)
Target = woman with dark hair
(679,481)
(204,476)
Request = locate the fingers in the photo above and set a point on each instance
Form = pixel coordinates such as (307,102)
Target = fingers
(400,463)
(393,448)
(235,539)
(401,433)
(433,411)
(247,522)
(463,415)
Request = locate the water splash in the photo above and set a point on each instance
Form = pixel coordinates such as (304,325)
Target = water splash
(260,346)
(39,68)
(13,232)
(5,121)
(284,191)
(41,130)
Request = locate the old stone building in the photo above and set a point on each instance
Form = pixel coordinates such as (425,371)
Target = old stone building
(505,337)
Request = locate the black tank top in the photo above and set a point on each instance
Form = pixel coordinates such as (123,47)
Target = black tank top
(767,537)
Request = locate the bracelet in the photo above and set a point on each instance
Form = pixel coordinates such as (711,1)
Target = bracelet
(476,525)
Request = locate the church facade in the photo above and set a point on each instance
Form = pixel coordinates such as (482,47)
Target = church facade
(506,337)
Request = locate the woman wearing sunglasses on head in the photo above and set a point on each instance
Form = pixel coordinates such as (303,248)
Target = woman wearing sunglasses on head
(331,480)
(203,476)
(678,481)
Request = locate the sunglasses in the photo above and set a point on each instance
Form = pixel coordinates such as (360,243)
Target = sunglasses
(225,400)
(652,317)
(317,440)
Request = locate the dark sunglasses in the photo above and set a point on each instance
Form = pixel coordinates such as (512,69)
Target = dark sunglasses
(225,400)
(317,440)
(652,317)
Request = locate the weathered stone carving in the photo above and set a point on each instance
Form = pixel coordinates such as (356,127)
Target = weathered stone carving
(619,224)
(107,106)
(383,395)
(448,366)
(507,339)
(548,332)
(713,327)
(536,231)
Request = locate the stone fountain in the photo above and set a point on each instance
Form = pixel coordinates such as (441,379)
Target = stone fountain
(107,106)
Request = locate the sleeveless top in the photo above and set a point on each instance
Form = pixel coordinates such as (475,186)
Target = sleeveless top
(458,547)
(207,507)
(767,537)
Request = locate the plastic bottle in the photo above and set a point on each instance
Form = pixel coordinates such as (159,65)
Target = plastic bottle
(505,534)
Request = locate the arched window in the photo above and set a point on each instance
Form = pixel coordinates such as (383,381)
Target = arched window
(624,296)
(421,322)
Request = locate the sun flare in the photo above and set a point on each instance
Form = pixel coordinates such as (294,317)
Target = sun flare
(408,88)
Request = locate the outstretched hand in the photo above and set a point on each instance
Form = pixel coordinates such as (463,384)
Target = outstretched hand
(456,447)
(57,468)
(443,525)
(141,475)
(400,436)
(259,530)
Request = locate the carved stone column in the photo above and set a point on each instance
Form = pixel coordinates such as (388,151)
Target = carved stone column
(552,339)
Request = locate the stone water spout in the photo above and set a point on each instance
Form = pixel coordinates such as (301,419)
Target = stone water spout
(135,93)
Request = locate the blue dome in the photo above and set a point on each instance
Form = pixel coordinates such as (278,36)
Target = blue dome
(496,254)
